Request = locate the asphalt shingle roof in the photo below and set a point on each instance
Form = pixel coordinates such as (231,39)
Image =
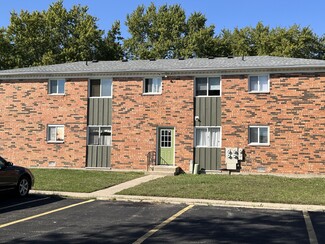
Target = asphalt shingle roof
(170,65)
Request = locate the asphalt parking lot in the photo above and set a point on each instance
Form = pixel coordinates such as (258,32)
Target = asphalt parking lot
(44,219)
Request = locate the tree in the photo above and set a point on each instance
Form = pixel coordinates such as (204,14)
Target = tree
(110,47)
(59,35)
(5,50)
(294,42)
(165,33)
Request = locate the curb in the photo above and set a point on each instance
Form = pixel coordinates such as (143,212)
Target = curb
(189,201)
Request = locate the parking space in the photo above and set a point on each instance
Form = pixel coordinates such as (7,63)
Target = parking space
(126,222)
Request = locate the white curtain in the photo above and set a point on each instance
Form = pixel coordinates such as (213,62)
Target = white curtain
(201,137)
(263,83)
(215,137)
(156,85)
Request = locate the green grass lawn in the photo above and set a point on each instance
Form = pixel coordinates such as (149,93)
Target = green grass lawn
(79,180)
(255,188)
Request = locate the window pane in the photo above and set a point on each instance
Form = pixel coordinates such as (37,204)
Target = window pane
(106,87)
(264,86)
(147,85)
(156,85)
(60,133)
(214,86)
(105,136)
(253,83)
(95,88)
(201,137)
(61,86)
(214,137)
(253,135)
(93,135)
(53,86)
(263,135)
(52,133)
(201,87)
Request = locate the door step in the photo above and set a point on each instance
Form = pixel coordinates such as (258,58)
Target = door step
(163,170)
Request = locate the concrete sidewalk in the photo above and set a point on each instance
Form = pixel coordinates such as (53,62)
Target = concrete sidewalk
(110,194)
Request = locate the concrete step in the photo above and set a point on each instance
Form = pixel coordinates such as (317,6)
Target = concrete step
(163,170)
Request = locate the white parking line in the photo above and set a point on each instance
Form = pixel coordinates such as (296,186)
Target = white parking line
(19,204)
(46,213)
(310,229)
(158,227)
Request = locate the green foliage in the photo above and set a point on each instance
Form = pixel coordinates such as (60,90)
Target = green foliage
(294,42)
(165,33)
(5,50)
(59,35)
(253,188)
(79,180)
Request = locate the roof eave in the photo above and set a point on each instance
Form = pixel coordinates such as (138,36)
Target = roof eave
(185,71)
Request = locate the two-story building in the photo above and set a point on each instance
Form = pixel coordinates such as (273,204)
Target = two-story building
(126,114)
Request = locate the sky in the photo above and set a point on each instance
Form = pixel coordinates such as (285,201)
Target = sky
(222,13)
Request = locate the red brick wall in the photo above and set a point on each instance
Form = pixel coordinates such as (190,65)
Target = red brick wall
(136,117)
(27,109)
(295,111)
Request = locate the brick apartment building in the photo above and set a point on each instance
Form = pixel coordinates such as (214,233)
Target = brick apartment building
(126,114)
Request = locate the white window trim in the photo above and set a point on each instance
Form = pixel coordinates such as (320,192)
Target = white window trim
(152,93)
(99,126)
(258,136)
(100,87)
(208,77)
(207,127)
(48,134)
(57,93)
(258,75)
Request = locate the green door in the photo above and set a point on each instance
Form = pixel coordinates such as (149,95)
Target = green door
(166,146)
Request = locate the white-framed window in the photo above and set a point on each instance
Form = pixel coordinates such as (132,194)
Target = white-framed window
(208,86)
(55,133)
(259,83)
(166,138)
(100,135)
(101,87)
(259,135)
(208,136)
(56,86)
(152,85)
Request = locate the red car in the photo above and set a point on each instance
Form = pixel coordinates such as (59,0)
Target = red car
(15,178)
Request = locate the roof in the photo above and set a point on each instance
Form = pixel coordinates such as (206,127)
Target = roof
(191,65)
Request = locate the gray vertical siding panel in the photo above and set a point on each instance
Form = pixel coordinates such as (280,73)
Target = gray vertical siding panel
(209,111)
(100,113)
(99,156)
(208,158)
